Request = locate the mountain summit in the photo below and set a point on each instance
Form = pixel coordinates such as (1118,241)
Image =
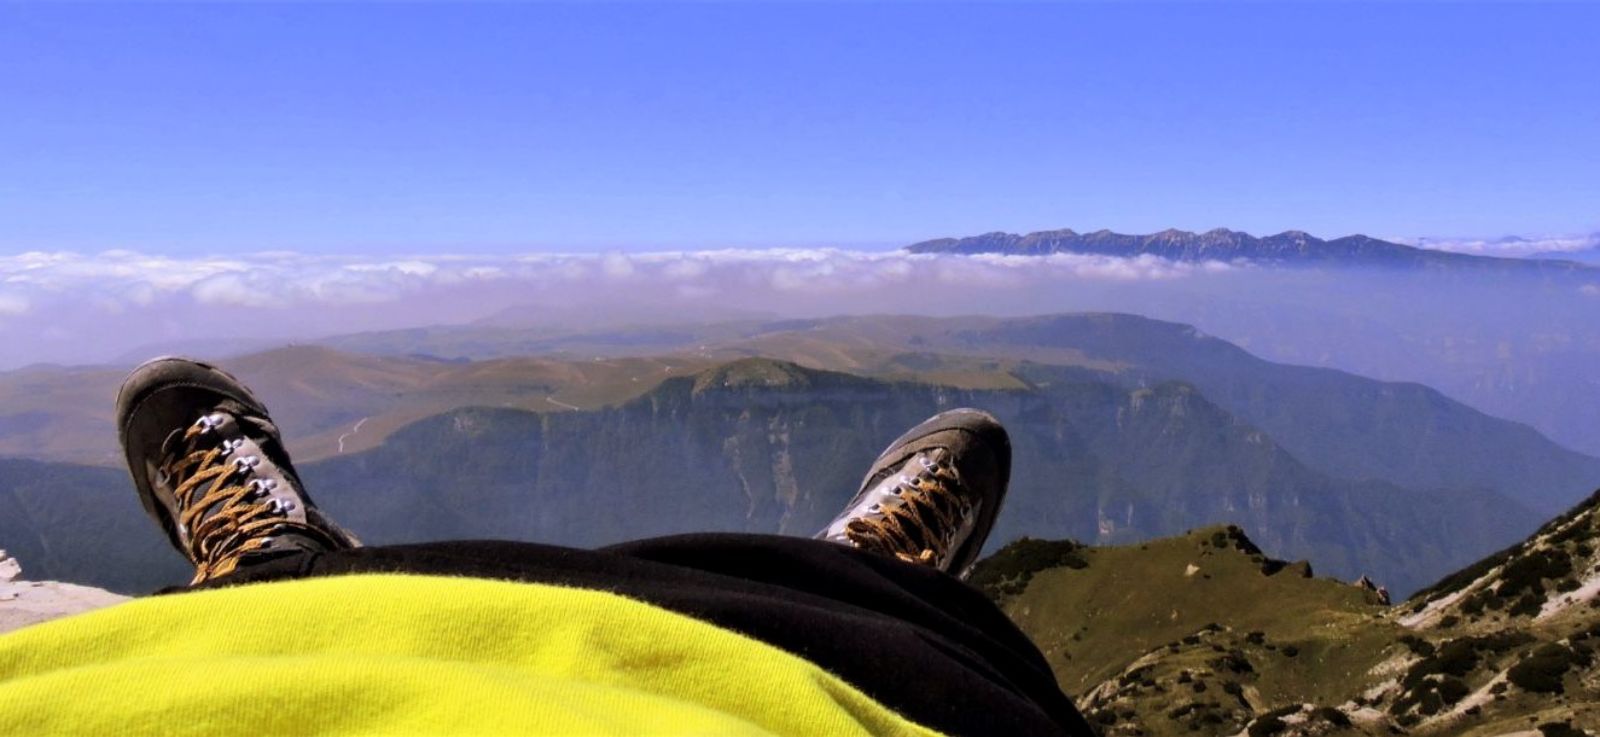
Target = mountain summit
(1291,247)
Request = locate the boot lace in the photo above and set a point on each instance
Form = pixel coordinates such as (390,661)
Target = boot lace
(224,514)
(919,524)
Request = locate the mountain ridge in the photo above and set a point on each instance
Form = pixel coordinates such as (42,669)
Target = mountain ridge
(1290,247)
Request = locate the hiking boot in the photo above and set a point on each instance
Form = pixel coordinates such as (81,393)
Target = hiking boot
(211,469)
(932,497)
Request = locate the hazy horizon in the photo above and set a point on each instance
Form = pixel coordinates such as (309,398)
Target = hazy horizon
(65,307)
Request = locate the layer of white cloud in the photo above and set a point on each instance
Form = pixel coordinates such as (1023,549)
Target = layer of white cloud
(13,304)
(119,300)
(124,279)
(1513,246)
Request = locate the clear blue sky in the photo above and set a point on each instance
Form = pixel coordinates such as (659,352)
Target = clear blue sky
(189,129)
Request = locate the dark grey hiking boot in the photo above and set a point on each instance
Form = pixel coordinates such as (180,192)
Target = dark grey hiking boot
(932,497)
(211,469)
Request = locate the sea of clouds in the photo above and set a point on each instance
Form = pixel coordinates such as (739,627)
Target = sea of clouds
(1553,246)
(77,307)
(1522,347)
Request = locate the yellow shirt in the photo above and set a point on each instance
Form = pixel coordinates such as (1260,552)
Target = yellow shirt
(399,654)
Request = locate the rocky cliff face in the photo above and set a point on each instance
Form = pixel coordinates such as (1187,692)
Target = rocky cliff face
(767,446)
(1506,642)
(24,603)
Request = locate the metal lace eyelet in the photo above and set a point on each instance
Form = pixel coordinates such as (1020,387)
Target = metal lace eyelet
(210,422)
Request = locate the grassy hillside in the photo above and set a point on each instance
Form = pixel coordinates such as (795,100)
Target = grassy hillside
(1203,634)
(1089,618)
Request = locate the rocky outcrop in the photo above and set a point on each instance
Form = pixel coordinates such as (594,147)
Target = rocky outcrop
(1507,646)
(10,569)
(24,603)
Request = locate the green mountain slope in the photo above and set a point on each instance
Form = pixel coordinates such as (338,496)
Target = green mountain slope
(1202,634)
(1110,602)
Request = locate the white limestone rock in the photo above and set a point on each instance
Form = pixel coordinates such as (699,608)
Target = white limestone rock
(24,603)
(10,569)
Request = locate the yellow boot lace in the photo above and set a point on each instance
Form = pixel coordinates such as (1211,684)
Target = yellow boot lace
(231,517)
(921,527)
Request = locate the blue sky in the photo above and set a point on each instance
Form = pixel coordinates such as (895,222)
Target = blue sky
(208,129)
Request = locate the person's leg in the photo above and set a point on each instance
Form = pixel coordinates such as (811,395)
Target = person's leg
(929,642)
(913,638)
(211,470)
(925,642)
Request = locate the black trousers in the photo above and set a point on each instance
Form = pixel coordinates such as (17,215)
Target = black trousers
(917,640)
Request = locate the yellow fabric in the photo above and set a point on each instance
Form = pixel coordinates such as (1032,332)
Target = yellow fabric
(396,654)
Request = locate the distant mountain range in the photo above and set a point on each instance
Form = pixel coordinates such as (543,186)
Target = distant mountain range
(1288,248)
